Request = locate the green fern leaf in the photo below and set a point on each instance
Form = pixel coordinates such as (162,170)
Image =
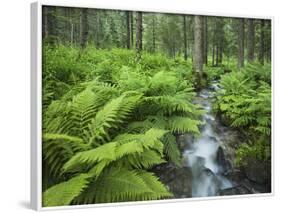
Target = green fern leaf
(62,194)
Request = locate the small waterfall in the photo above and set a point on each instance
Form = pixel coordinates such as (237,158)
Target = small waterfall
(201,156)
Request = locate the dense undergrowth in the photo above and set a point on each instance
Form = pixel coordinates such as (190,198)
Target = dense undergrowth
(245,103)
(108,120)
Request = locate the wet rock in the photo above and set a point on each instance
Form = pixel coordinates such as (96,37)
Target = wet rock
(178,180)
(235,175)
(237,190)
(222,161)
(185,141)
(259,172)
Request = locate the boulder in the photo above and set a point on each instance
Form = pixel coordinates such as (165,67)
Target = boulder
(257,171)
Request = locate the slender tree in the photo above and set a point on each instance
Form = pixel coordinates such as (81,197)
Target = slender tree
(153,33)
(52,23)
(198,50)
(83,27)
(241,43)
(45,22)
(185,37)
(139,35)
(262,37)
(132,27)
(205,40)
(251,40)
(128,22)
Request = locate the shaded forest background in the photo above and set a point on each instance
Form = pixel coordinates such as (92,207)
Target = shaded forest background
(222,38)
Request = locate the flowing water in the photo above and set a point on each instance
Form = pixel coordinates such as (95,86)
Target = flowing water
(201,154)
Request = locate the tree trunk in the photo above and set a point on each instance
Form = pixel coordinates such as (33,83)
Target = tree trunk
(153,34)
(51,21)
(132,27)
(205,39)
(128,17)
(83,27)
(214,45)
(45,22)
(139,35)
(198,50)
(184,37)
(261,49)
(251,40)
(241,43)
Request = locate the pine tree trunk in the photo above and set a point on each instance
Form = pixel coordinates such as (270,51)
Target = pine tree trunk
(97,30)
(139,35)
(241,43)
(261,49)
(83,27)
(198,50)
(128,30)
(251,40)
(184,37)
(153,34)
(205,39)
(132,27)
(45,22)
(51,21)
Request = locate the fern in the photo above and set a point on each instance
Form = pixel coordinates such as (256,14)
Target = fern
(62,194)
(110,122)
(110,116)
(58,149)
(123,145)
(183,125)
(123,185)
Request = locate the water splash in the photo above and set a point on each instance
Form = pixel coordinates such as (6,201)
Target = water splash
(201,156)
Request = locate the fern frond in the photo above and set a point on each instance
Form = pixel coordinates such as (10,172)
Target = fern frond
(58,149)
(111,116)
(179,124)
(63,193)
(171,149)
(127,144)
(123,185)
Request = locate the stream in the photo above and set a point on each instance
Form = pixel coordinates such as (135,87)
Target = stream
(202,153)
(208,161)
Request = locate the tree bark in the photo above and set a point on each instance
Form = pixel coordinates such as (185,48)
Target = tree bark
(184,37)
(251,40)
(205,39)
(51,21)
(45,22)
(132,27)
(241,43)
(261,49)
(139,35)
(198,50)
(128,22)
(153,34)
(83,27)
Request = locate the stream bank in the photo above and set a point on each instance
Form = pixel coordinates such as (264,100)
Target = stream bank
(208,167)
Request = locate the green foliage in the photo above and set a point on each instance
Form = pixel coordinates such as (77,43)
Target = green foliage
(259,151)
(113,124)
(63,193)
(245,99)
(121,184)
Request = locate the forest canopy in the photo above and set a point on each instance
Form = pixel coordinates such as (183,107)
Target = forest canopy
(120,89)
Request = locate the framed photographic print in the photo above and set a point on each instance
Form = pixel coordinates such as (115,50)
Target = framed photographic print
(134,106)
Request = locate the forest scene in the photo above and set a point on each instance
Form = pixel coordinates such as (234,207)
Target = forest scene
(140,106)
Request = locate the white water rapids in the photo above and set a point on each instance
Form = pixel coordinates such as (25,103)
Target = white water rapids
(201,156)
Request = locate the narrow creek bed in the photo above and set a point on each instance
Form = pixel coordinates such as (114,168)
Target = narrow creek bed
(208,167)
